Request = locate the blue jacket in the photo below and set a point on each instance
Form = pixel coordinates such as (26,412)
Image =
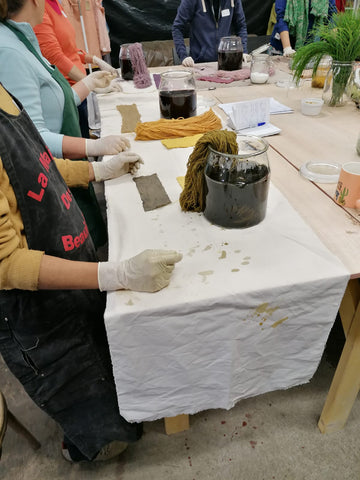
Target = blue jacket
(281,25)
(205,32)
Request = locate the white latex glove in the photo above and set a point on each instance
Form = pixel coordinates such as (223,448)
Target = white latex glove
(103,65)
(115,86)
(288,52)
(122,163)
(188,62)
(149,271)
(246,58)
(97,80)
(110,145)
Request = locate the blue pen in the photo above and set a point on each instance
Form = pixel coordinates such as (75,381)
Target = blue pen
(261,123)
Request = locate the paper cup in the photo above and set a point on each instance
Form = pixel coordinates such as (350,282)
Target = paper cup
(347,192)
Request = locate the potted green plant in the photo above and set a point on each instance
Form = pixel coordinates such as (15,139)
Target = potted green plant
(340,39)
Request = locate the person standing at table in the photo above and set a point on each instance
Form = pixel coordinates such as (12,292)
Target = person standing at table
(52,296)
(50,101)
(208,21)
(57,39)
(294,20)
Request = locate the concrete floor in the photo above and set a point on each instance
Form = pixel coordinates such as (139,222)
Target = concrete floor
(272,436)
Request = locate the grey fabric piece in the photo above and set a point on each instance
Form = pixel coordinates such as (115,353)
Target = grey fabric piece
(152,192)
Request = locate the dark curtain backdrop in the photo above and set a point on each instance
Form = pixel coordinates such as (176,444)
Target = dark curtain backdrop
(146,20)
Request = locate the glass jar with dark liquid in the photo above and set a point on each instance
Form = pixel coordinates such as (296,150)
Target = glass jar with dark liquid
(177,94)
(230,53)
(238,185)
(127,72)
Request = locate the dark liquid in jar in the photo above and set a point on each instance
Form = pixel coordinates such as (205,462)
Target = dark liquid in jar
(230,60)
(239,204)
(127,72)
(176,104)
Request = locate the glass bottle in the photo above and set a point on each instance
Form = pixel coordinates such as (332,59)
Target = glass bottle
(318,80)
(336,82)
(230,53)
(127,72)
(238,185)
(177,94)
(260,68)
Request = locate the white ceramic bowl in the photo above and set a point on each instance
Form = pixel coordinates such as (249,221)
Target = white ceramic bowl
(311,106)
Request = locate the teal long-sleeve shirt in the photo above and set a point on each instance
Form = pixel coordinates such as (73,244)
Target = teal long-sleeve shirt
(27,79)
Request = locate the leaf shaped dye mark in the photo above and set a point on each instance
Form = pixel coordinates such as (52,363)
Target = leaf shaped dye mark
(205,274)
(279,322)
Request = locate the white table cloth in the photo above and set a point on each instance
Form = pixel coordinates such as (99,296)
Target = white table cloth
(247,311)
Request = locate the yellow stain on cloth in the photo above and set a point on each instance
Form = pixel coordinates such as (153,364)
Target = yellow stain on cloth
(279,322)
(181,181)
(183,142)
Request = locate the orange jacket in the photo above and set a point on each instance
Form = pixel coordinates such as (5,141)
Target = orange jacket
(57,40)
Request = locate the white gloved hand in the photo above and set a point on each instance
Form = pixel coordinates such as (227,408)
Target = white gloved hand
(288,52)
(121,164)
(115,86)
(246,58)
(188,62)
(103,65)
(110,145)
(149,271)
(97,80)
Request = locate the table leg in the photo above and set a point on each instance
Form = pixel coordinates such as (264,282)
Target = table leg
(349,304)
(346,382)
(176,424)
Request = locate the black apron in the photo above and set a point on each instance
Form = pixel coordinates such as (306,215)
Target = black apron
(55,341)
(85,198)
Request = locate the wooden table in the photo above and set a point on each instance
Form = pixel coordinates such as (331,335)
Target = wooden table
(328,137)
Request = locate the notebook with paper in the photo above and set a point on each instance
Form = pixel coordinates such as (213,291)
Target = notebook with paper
(252,117)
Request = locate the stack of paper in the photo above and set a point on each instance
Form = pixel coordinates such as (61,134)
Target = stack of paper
(250,117)
(276,107)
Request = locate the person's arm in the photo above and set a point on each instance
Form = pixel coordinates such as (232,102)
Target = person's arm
(282,26)
(21,77)
(76,74)
(75,173)
(60,274)
(285,39)
(240,23)
(73,147)
(19,266)
(183,19)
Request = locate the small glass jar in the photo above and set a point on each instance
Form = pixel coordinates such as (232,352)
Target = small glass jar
(230,53)
(318,80)
(260,68)
(336,83)
(177,94)
(127,72)
(238,185)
